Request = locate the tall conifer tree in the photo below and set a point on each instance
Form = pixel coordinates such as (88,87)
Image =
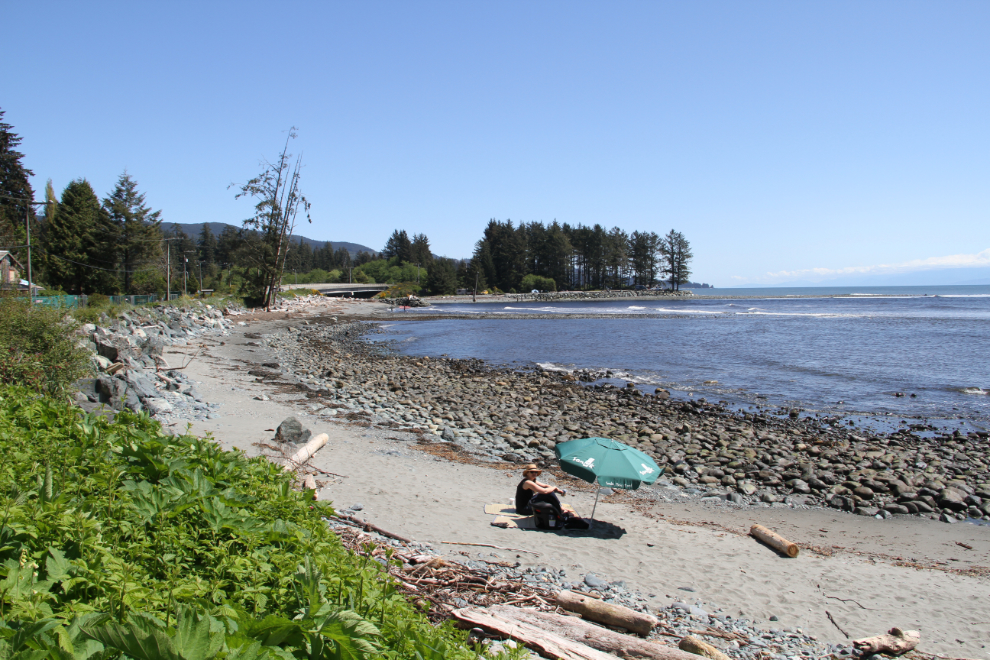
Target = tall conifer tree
(137,228)
(15,193)
(78,257)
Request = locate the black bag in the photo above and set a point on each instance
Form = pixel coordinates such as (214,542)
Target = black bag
(576,523)
(546,516)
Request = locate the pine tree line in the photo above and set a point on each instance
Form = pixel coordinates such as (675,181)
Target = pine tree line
(576,257)
(555,256)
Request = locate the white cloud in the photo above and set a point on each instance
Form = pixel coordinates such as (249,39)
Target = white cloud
(978,260)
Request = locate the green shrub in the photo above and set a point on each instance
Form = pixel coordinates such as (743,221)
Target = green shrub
(170,548)
(97,300)
(37,346)
(538,282)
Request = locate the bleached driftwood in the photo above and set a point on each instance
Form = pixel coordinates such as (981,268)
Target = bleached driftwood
(306,451)
(774,540)
(603,639)
(607,613)
(695,646)
(543,642)
(309,483)
(896,642)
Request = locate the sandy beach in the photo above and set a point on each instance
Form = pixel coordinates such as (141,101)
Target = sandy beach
(856,575)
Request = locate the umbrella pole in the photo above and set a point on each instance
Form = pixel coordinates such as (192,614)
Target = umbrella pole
(598,492)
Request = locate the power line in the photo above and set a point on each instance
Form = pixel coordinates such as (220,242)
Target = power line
(109,270)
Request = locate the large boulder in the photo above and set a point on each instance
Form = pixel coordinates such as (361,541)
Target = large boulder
(141,383)
(291,431)
(953,499)
(157,406)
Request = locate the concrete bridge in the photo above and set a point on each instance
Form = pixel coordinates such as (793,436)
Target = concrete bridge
(345,290)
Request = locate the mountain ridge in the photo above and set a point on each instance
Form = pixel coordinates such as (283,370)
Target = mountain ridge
(193,230)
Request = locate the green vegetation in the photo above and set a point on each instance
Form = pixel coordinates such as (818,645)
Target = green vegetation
(37,347)
(388,271)
(530,282)
(118,540)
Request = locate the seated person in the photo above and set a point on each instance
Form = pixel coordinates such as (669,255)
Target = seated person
(530,490)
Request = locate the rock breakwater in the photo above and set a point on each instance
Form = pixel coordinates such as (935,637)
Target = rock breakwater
(133,373)
(514,415)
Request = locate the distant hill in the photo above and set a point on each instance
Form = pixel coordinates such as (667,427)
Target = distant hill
(193,229)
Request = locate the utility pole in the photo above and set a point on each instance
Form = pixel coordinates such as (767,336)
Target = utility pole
(27,218)
(168,271)
(201,277)
(475,297)
(185,265)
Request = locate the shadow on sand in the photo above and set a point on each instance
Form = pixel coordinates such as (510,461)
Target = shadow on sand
(600,529)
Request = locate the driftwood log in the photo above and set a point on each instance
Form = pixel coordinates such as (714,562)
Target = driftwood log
(306,451)
(896,642)
(607,613)
(774,540)
(603,639)
(545,643)
(309,483)
(695,646)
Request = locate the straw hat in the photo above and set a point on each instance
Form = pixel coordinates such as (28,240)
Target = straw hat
(532,468)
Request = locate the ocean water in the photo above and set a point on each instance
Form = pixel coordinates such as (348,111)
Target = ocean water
(806,348)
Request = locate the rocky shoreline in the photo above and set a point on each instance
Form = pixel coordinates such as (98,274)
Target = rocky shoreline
(129,355)
(503,414)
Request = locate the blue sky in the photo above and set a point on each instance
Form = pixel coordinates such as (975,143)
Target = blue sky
(804,142)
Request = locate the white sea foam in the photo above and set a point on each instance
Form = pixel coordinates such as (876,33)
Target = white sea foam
(688,311)
(634,307)
(807,315)
(974,390)
(550,366)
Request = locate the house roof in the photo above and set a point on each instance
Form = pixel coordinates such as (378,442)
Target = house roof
(13,260)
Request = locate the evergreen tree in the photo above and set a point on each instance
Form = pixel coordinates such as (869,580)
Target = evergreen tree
(683,260)
(420,251)
(617,257)
(558,255)
(228,244)
(441,277)
(15,193)
(481,266)
(398,247)
(678,255)
(137,229)
(207,245)
(79,255)
(342,259)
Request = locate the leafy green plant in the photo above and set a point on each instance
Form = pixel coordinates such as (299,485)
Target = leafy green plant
(119,539)
(37,347)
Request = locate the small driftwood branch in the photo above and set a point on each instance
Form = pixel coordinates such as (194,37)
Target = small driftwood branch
(374,528)
(834,623)
(697,647)
(607,613)
(774,540)
(489,545)
(895,642)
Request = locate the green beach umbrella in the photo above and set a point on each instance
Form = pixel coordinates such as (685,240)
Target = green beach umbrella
(608,462)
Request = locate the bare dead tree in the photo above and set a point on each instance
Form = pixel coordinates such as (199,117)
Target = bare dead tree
(278,203)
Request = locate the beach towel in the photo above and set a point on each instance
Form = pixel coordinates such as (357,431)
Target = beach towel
(506,516)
